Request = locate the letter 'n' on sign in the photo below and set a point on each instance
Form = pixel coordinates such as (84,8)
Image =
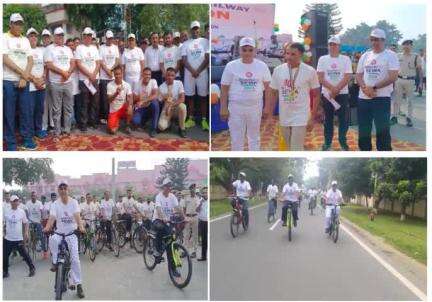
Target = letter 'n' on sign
(219,14)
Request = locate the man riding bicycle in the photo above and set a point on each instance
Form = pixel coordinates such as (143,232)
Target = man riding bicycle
(312,198)
(34,208)
(290,197)
(333,199)
(65,211)
(128,203)
(166,205)
(272,192)
(89,212)
(243,191)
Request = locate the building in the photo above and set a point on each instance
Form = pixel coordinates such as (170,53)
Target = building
(56,16)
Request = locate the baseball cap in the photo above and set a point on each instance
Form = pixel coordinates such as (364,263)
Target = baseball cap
(62,184)
(109,34)
(131,36)
(15,18)
(58,31)
(290,176)
(378,33)
(334,182)
(247,41)
(334,39)
(87,31)
(31,30)
(46,32)
(243,174)
(166,182)
(410,42)
(176,34)
(195,24)
(14,197)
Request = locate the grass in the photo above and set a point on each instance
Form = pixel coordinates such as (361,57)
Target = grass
(223,206)
(409,236)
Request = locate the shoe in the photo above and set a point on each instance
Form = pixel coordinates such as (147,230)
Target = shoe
(127,130)
(295,223)
(325,147)
(284,224)
(103,121)
(94,126)
(159,259)
(110,248)
(202,259)
(327,230)
(402,114)
(5,275)
(182,133)
(204,124)
(29,145)
(393,121)
(193,255)
(53,268)
(152,133)
(32,272)
(72,287)
(175,273)
(83,128)
(409,122)
(42,134)
(344,146)
(190,123)
(80,292)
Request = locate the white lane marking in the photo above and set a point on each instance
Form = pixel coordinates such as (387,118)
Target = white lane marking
(391,269)
(229,215)
(274,225)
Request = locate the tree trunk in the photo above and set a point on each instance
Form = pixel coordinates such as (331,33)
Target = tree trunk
(412,209)
(403,215)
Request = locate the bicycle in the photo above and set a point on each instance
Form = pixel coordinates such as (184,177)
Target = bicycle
(312,205)
(140,235)
(334,223)
(289,218)
(121,232)
(34,244)
(179,256)
(63,267)
(87,242)
(237,217)
(102,240)
(271,212)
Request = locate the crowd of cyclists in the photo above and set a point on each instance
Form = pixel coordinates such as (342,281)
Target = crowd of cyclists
(62,214)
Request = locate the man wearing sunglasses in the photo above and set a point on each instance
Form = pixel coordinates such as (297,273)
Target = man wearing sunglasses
(242,85)
(377,71)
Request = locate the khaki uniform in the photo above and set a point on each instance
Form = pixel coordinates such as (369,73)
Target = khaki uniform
(405,83)
(191,230)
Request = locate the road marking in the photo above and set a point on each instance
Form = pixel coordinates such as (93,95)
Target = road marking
(391,269)
(274,225)
(229,215)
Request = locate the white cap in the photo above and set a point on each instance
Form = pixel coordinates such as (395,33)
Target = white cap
(243,174)
(31,30)
(176,34)
(334,182)
(290,176)
(166,182)
(195,24)
(58,31)
(13,197)
(87,31)
(46,32)
(15,18)
(334,39)
(247,41)
(109,34)
(131,36)
(378,33)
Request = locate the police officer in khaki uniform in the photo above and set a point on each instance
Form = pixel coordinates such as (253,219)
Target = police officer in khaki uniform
(410,64)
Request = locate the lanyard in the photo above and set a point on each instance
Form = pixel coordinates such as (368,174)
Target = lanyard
(292,80)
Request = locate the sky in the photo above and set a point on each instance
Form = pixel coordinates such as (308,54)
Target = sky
(311,169)
(400,13)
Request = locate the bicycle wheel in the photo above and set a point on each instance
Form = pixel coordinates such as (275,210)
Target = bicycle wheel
(289,226)
(234,225)
(115,243)
(58,287)
(335,233)
(100,239)
(183,266)
(138,239)
(121,232)
(148,254)
(92,248)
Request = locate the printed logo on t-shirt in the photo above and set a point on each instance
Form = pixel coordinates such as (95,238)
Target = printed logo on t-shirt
(372,70)
(196,52)
(334,65)
(66,219)
(248,82)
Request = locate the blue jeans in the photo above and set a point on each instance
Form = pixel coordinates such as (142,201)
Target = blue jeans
(342,113)
(38,98)
(11,96)
(141,114)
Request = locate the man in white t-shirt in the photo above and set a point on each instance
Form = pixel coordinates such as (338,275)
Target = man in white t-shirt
(333,199)
(14,218)
(47,121)
(37,84)
(120,99)
(152,57)
(75,84)
(243,191)
(34,211)
(146,102)
(88,62)
(294,82)
(202,210)
(61,65)
(272,193)
(65,212)
(195,56)
(106,214)
(377,71)
(170,56)
(334,73)
(89,211)
(128,205)
(110,58)
(172,95)
(17,66)
(242,85)
(132,61)
(290,197)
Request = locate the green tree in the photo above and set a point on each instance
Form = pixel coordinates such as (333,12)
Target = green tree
(176,169)
(359,35)
(419,43)
(22,171)
(334,25)
(383,191)
(32,14)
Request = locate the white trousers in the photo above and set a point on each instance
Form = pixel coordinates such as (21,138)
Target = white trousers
(244,121)
(328,211)
(191,232)
(294,137)
(197,85)
(72,242)
(404,88)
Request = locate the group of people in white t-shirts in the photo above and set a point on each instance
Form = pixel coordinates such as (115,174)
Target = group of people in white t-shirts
(247,82)
(77,82)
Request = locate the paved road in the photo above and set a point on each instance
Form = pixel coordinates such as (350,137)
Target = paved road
(108,278)
(263,265)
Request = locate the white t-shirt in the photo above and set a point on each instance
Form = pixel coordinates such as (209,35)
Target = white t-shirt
(246,82)
(176,90)
(119,208)
(146,209)
(131,58)
(294,112)
(18,50)
(334,69)
(88,55)
(170,56)
(194,50)
(89,210)
(14,220)
(38,65)
(108,55)
(152,57)
(34,211)
(290,193)
(75,80)
(167,205)
(272,191)
(203,213)
(375,68)
(61,57)
(106,209)
(121,98)
(128,204)
(139,87)
(64,215)
(46,209)
(242,188)
(334,197)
